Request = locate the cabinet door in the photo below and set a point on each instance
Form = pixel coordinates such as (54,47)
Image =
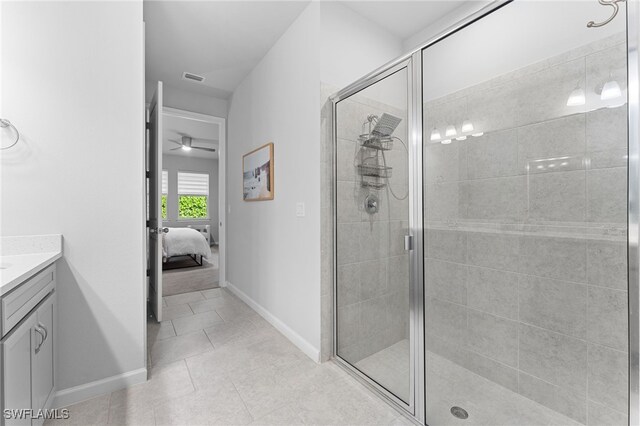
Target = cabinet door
(16,366)
(42,357)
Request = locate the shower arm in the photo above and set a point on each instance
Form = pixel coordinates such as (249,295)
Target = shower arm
(616,8)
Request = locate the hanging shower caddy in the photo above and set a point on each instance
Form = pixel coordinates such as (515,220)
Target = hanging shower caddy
(372,168)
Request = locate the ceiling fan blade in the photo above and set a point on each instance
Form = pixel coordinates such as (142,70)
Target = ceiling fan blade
(203,149)
(206,140)
(173,149)
(171,140)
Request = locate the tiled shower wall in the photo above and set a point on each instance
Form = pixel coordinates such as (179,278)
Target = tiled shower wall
(525,268)
(372,265)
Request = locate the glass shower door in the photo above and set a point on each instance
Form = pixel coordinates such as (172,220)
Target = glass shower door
(372,221)
(525,186)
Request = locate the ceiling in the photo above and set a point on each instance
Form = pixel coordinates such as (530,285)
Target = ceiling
(403,18)
(174,127)
(219,40)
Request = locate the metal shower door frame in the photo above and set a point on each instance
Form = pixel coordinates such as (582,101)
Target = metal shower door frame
(413,61)
(415,405)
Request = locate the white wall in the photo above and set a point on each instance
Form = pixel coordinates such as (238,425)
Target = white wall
(274,256)
(175,163)
(351,45)
(189,101)
(73,83)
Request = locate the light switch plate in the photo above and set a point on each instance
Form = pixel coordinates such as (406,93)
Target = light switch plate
(300,209)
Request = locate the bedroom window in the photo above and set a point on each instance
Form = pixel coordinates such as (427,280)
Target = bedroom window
(193,194)
(165,191)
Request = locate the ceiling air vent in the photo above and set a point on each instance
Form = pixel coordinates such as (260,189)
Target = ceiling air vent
(192,77)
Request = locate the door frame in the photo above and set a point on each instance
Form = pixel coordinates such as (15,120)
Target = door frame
(222,184)
(222,150)
(414,407)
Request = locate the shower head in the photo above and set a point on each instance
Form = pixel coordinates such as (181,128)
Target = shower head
(386,124)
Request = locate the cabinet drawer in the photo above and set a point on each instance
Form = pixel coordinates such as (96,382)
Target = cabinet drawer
(24,298)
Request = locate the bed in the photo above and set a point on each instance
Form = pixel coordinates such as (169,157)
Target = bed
(184,242)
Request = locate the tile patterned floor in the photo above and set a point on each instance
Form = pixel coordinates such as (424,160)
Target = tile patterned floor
(214,361)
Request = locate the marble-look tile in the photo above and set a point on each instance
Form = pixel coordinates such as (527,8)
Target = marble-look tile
(446,280)
(283,416)
(493,337)
(349,330)
(236,311)
(94,411)
(134,415)
(348,285)
(349,201)
(607,264)
(397,231)
(210,406)
(607,195)
(558,359)
(493,291)
(373,278)
(179,347)
(209,305)
(496,199)
(558,258)
(442,163)
(374,241)
(176,311)
(608,377)
(495,154)
(165,382)
(398,273)
(347,152)
(224,333)
(180,299)
(442,201)
(348,244)
(606,129)
(558,196)
(492,370)
(494,250)
(343,402)
(212,293)
(159,330)
(601,415)
(446,245)
(607,318)
(562,400)
(559,306)
(562,137)
(196,322)
(267,389)
(447,320)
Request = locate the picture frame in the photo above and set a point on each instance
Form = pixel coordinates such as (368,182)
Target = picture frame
(257,174)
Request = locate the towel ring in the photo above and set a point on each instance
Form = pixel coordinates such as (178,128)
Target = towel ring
(6,123)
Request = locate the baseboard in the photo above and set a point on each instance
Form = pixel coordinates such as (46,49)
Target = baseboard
(302,344)
(69,396)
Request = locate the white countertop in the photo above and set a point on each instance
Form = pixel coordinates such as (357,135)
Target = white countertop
(23,257)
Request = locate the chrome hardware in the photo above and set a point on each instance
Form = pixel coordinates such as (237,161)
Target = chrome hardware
(612,3)
(159,230)
(42,331)
(6,123)
(408,242)
(371,204)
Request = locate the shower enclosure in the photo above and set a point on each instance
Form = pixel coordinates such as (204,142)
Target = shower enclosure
(485,205)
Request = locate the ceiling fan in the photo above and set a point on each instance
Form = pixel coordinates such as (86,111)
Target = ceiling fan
(186,144)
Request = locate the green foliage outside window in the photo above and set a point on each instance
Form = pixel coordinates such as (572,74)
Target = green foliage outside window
(164,206)
(192,206)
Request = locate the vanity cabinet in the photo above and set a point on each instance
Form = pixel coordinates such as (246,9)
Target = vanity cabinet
(27,348)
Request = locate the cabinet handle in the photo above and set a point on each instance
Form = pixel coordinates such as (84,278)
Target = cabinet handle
(38,330)
(46,332)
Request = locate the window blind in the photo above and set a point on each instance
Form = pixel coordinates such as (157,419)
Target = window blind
(193,183)
(165,182)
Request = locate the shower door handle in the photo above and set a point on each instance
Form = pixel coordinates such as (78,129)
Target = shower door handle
(408,242)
